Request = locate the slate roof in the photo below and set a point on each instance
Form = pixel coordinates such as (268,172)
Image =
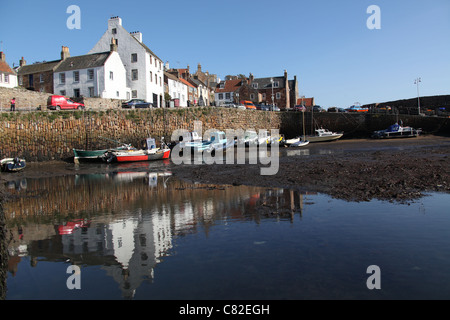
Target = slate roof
(87,61)
(39,67)
(265,83)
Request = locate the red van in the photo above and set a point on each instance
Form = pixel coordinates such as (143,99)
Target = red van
(60,103)
(248,104)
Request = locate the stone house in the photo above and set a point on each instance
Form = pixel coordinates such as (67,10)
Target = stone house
(93,75)
(39,76)
(276,90)
(8,77)
(144,69)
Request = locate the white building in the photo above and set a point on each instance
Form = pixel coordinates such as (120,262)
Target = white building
(145,73)
(176,89)
(8,77)
(93,75)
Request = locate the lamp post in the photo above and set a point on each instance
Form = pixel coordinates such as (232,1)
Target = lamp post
(273,102)
(416,82)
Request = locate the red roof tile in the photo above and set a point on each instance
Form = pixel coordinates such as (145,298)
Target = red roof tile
(230,86)
(5,68)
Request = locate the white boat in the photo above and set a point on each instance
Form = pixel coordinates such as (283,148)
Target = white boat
(324,135)
(397,131)
(300,143)
(12,164)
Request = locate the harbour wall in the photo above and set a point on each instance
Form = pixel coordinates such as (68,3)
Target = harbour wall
(44,136)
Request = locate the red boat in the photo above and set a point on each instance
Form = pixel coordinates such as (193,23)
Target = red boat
(149,153)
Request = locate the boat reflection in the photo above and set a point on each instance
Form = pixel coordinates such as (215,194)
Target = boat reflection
(127,221)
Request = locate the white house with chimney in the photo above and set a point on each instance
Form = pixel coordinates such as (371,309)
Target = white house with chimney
(144,69)
(177,89)
(93,75)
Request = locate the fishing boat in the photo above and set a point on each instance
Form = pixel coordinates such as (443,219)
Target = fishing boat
(12,164)
(98,154)
(149,153)
(397,131)
(216,141)
(323,135)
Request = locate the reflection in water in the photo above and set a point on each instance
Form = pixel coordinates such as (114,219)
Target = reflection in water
(126,222)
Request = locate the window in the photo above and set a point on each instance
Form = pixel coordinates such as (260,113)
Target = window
(252,96)
(114,31)
(156,79)
(91,92)
(20,80)
(255,85)
(91,74)
(222,85)
(220,96)
(276,84)
(117,94)
(278,95)
(62,92)
(62,78)
(160,81)
(134,94)
(134,57)
(151,60)
(151,76)
(41,78)
(264,96)
(134,74)
(76,76)
(76,93)
(1,77)
(227,95)
(111,75)
(6,78)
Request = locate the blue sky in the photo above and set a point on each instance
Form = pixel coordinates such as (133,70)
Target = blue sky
(326,44)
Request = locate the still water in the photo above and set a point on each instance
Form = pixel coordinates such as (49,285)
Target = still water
(148,235)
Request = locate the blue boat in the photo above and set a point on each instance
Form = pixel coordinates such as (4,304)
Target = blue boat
(216,141)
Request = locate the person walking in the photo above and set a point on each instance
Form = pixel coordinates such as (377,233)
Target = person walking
(13,104)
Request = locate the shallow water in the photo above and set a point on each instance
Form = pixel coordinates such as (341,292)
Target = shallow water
(147,235)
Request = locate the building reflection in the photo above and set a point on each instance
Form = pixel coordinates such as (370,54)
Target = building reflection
(125,221)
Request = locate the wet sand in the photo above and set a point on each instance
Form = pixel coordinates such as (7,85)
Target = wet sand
(355,170)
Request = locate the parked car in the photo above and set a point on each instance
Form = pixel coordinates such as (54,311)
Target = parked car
(55,102)
(136,103)
(229,104)
(274,108)
(333,109)
(248,104)
(240,106)
(299,108)
(262,107)
(318,109)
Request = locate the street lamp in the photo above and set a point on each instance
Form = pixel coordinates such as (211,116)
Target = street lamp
(273,102)
(416,82)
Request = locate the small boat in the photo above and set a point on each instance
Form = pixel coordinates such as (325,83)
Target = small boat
(299,143)
(193,136)
(96,154)
(12,164)
(149,153)
(216,141)
(323,135)
(397,131)
(253,138)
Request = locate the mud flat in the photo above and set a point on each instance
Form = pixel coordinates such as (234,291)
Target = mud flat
(354,170)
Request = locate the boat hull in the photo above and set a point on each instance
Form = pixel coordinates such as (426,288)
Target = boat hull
(88,154)
(12,165)
(324,138)
(138,156)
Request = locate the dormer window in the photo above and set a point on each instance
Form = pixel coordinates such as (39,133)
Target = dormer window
(255,85)
(222,85)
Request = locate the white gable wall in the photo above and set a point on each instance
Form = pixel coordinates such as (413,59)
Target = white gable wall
(151,90)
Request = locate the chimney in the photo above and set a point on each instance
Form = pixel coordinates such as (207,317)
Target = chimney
(114,22)
(65,53)
(199,68)
(113,45)
(137,35)
(22,62)
(2,56)
(250,78)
